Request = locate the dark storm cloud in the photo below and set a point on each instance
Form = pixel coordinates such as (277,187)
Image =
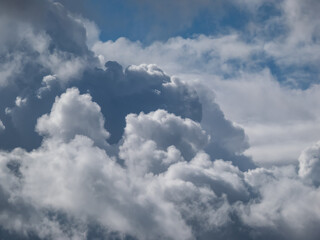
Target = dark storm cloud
(22,8)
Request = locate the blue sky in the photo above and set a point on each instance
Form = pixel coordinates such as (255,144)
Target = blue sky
(147,22)
(136,20)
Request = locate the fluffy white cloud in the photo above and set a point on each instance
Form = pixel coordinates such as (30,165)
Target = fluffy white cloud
(35,45)
(309,164)
(248,92)
(2,127)
(20,101)
(81,180)
(146,150)
(208,54)
(156,193)
(286,208)
(74,114)
(178,171)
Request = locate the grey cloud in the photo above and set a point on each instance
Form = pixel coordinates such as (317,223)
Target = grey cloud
(220,176)
(33,48)
(25,9)
(19,219)
(55,45)
(228,141)
(161,180)
(83,181)
(196,199)
(309,164)
(117,91)
(65,173)
(52,18)
(248,95)
(120,92)
(285,207)
(2,127)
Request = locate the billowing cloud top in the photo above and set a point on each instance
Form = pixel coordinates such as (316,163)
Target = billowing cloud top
(92,150)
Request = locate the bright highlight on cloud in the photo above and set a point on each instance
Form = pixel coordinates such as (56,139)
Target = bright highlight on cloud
(184,139)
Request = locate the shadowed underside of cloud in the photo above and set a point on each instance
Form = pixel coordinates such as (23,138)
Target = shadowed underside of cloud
(91,152)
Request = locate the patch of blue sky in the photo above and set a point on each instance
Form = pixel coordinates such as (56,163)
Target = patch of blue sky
(141,22)
(126,18)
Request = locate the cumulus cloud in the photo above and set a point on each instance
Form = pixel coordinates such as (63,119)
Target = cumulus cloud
(146,150)
(90,149)
(61,59)
(309,164)
(38,38)
(65,180)
(267,92)
(280,214)
(73,114)
(75,185)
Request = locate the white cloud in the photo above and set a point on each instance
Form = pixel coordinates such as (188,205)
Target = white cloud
(74,114)
(181,200)
(309,164)
(20,101)
(2,127)
(64,66)
(300,44)
(92,30)
(179,55)
(279,121)
(286,206)
(249,94)
(166,178)
(146,150)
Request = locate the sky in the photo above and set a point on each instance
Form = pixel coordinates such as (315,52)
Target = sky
(156,120)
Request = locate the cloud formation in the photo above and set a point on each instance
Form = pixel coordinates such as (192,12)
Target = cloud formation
(309,163)
(44,61)
(72,115)
(92,150)
(263,77)
(156,193)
